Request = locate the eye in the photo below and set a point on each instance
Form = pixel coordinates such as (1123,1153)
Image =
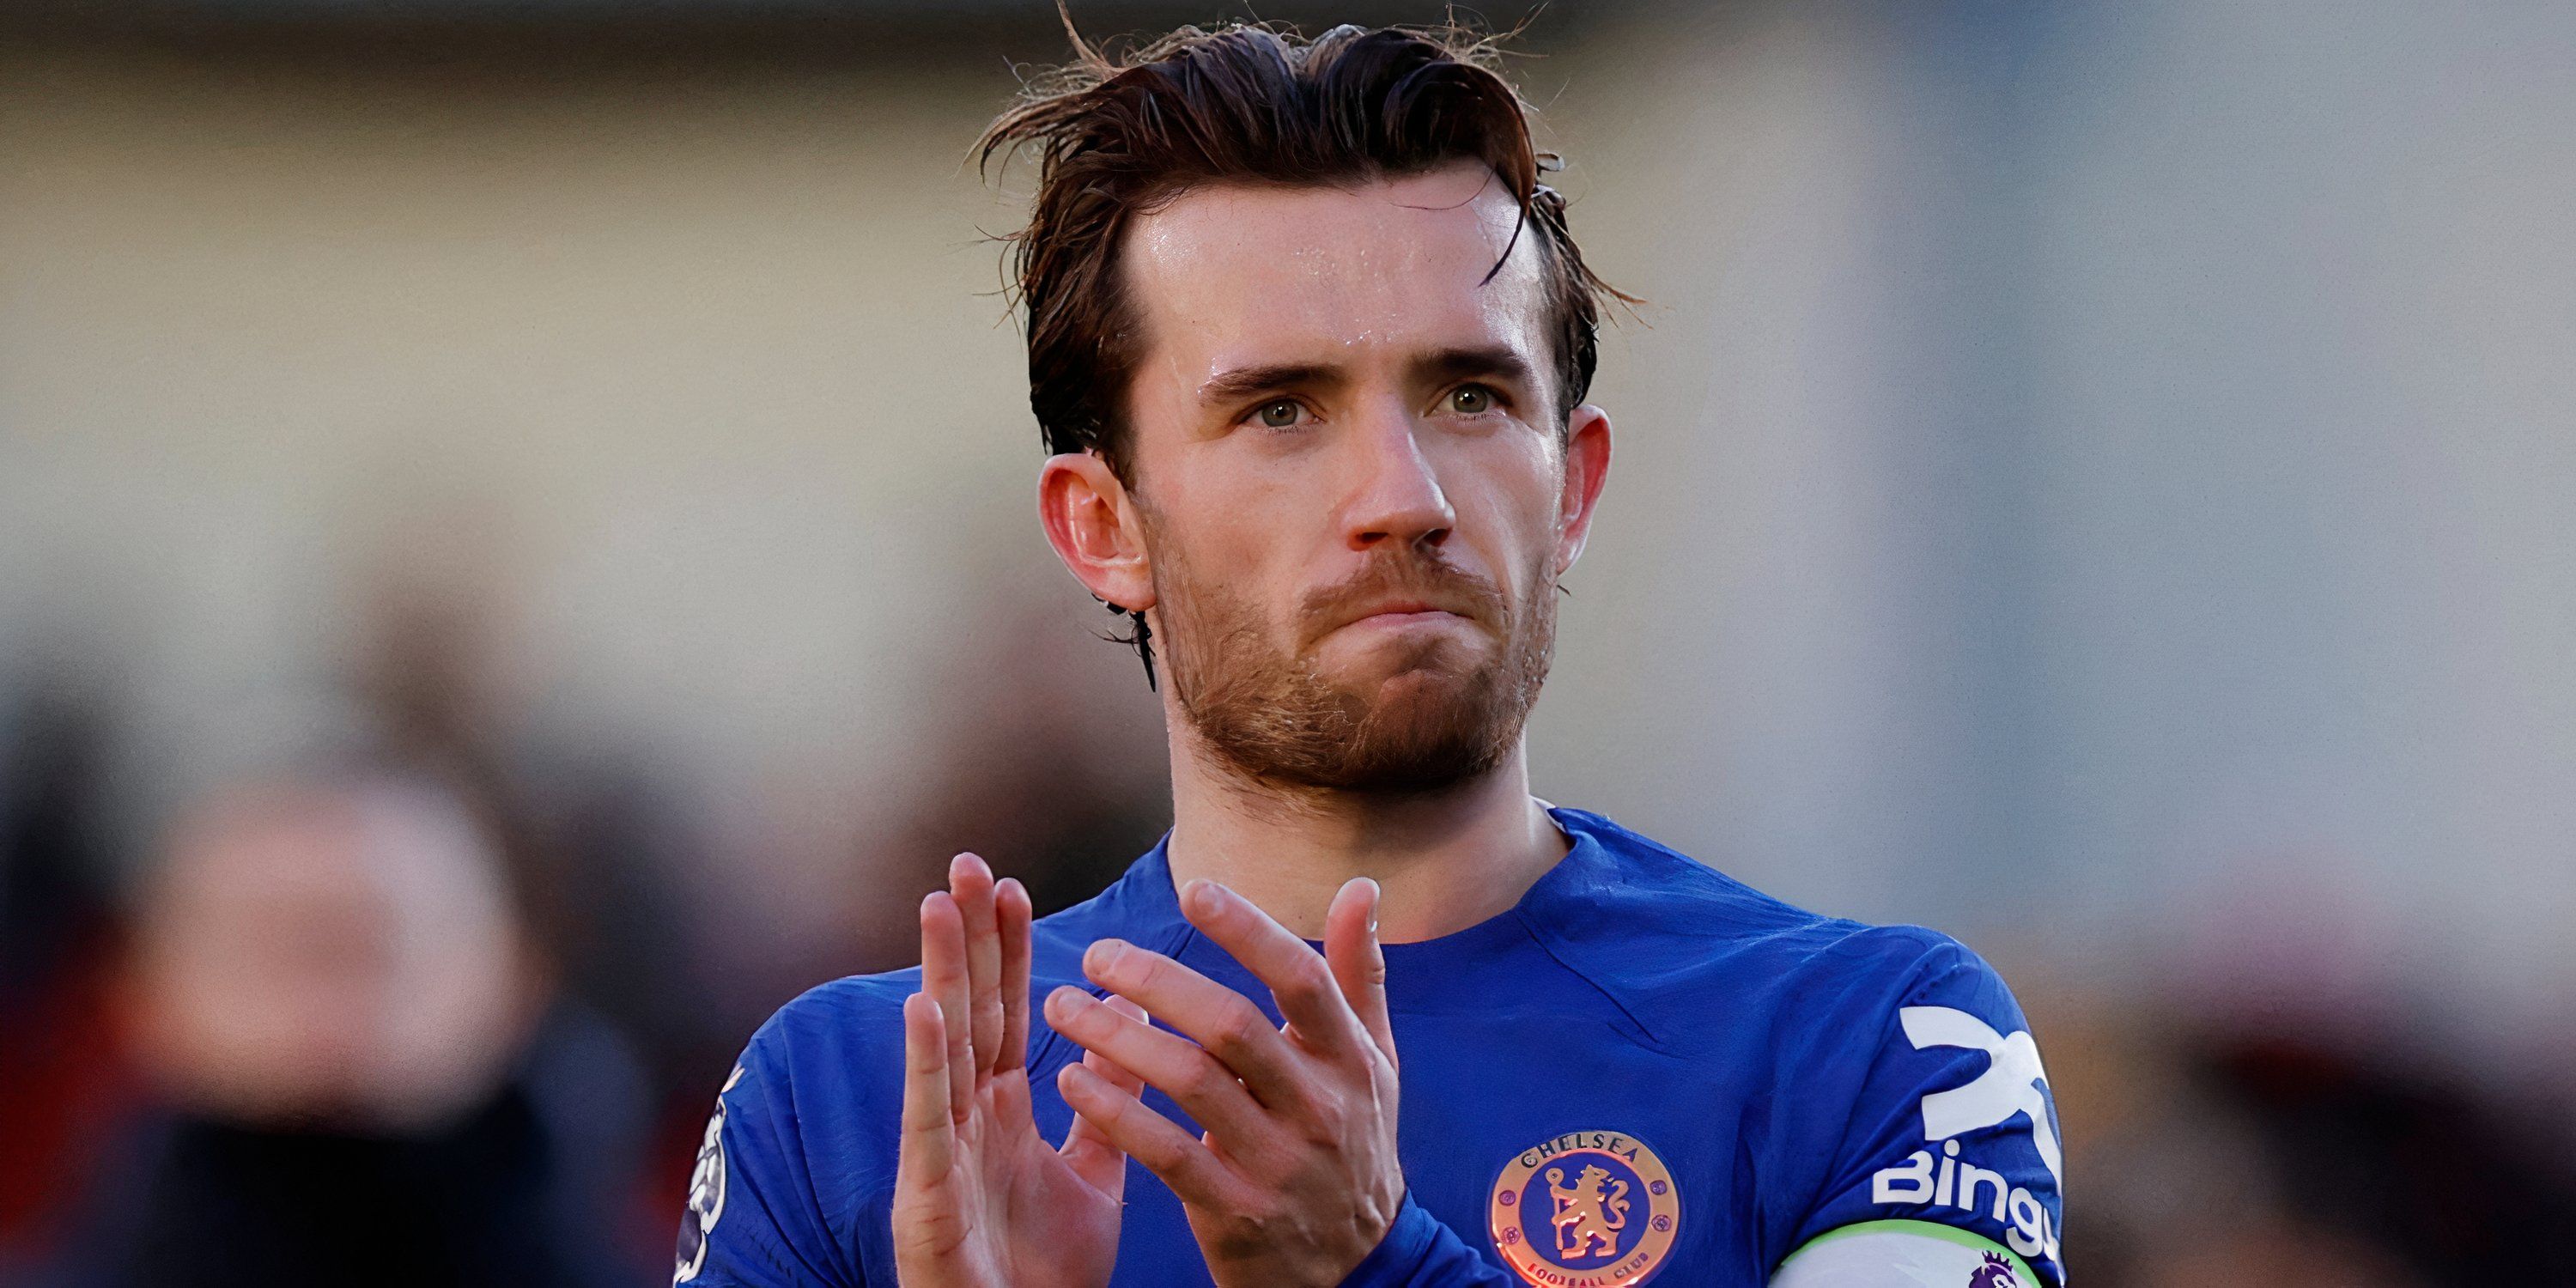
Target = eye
(1471,400)
(1280,413)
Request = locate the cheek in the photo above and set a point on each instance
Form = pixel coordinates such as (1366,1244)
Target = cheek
(1224,537)
(1506,497)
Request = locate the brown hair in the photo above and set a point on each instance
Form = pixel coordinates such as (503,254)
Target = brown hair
(1254,103)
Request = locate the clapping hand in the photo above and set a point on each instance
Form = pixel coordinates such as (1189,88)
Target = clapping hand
(1295,1178)
(981,1200)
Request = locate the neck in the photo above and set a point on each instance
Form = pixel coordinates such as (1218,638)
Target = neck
(1443,860)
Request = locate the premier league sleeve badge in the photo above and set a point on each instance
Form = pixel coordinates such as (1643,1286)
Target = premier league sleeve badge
(1586,1208)
(706,1192)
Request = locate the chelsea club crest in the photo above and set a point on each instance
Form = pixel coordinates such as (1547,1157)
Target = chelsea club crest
(1586,1208)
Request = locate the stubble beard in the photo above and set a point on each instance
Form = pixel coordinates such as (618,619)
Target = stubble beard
(1440,717)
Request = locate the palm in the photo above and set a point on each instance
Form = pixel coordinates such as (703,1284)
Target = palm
(1011,1209)
(981,1200)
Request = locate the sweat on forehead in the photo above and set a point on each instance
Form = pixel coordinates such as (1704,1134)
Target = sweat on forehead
(1232,275)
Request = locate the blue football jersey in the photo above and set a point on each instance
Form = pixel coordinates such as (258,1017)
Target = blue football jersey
(1643,1069)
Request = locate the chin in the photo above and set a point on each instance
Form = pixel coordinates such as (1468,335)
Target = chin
(1418,705)
(1388,664)
(1418,752)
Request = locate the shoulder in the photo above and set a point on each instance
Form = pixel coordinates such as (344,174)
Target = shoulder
(1648,918)
(1652,900)
(796,1168)
(801,1142)
(832,1018)
(823,1076)
(1894,1076)
(1639,886)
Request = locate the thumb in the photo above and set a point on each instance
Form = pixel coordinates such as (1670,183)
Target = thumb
(1095,1158)
(928,1145)
(1358,961)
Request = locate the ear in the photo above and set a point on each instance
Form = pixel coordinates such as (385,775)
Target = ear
(1095,530)
(1587,467)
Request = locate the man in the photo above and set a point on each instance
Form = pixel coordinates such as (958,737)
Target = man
(1311,344)
(355,1069)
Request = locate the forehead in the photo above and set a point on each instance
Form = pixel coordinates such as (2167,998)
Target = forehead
(1236,274)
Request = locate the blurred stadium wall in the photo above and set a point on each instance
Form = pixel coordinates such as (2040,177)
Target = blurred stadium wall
(2093,477)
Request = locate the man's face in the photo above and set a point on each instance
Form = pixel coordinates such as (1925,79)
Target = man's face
(1349,480)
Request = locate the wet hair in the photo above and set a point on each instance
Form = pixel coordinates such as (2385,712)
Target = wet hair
(1118,137)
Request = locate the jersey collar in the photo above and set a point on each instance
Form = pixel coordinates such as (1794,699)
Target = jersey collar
(1145,908)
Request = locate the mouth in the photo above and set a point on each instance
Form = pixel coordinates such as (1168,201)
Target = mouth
(1400,614)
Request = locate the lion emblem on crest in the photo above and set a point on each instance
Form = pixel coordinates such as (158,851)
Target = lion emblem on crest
(1587,1207)
(1590,1212)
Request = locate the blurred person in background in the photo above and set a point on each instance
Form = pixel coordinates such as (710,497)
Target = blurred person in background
(62,1081)
(2234,1142)
(358,1067)
(1311,343)
(587,841)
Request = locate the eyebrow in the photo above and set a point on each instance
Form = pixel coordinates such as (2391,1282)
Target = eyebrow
(1243,382)
(1496,361)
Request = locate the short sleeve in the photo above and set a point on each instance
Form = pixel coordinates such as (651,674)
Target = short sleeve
(751,1219)
(1947,1127)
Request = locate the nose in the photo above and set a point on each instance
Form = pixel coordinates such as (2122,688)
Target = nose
(1398,497)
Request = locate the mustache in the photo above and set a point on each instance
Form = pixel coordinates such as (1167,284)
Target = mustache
(1409,573)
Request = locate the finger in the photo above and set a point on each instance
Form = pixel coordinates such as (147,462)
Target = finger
(1358,962)
(971,881)
(1115,1072)
(1179,1067)
(1295,973)
(928,1146)
(1223,1022)
(1185,1164)
(1096,1158)
(943,977)
(1011,914)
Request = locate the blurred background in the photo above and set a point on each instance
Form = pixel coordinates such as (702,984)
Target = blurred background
(517,557)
